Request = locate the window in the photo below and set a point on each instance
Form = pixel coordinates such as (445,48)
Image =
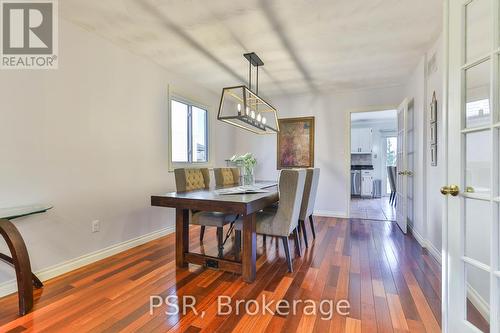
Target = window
(390,158)
(189,132)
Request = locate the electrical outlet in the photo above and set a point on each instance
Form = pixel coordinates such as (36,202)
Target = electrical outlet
(96,226)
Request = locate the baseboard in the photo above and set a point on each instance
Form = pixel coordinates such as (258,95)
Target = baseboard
(479,303)
(9,287)
(435,253)
(420,239)
(329,213)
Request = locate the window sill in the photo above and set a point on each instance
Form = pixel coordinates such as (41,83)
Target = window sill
(177,165)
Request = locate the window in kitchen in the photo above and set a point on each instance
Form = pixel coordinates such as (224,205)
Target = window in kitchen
(390,158)
(189,132)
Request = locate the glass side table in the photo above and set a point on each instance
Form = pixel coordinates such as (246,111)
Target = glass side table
(20,259)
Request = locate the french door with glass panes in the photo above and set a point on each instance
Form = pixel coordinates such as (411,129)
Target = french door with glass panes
(471,256)
(404,166)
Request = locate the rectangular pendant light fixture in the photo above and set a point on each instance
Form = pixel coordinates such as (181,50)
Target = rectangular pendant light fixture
(244,108)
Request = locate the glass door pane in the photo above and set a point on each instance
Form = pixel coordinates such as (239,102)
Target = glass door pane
(477,94)
(478,162)
(478,29)
(478,297)
(478,230)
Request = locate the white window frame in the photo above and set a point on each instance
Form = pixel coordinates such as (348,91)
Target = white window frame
(192,102)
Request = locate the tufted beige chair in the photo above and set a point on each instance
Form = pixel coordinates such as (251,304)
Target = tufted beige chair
(284,220)
(308,200)
(192,179)
(226,176)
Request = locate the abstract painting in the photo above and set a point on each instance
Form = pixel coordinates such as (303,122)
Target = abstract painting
(296,143)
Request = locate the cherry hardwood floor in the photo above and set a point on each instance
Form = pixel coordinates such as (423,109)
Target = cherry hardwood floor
(391,283)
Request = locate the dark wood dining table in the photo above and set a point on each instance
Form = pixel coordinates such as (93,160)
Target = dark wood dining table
(245,205)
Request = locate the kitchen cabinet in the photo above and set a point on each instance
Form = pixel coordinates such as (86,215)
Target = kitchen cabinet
(361,140)
(366,183)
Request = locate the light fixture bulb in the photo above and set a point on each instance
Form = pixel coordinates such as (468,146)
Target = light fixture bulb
(247,110)
(264,120)
(259,117)
(252,114)
(239,108)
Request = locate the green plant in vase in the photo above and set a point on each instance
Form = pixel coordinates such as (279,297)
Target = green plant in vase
(247,162)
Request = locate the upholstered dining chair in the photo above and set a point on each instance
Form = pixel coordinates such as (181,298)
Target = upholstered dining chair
(308,200)
(391,173)
(284,220)
(192,179)
(226,176)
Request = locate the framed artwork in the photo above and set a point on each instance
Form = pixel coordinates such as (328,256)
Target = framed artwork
(433,129)
(433,133)
(433,109)
(433,155)
(296,143)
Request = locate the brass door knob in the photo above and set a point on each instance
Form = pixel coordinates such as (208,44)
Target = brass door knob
(452,189)
(469,189)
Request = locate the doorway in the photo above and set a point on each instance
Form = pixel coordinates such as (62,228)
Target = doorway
(373,148)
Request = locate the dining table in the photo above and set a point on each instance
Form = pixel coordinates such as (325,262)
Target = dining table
(213,199)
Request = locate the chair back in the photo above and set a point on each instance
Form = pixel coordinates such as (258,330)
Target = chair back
(309,196)
(291,189)
(391,172)
(226,176)
(191,179)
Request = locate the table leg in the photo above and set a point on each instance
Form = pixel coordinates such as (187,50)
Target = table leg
(181,236)
(249,248)
(36,281)
(22,265)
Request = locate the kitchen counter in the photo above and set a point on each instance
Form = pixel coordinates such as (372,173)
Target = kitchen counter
(361,167)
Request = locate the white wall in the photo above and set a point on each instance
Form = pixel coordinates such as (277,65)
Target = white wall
(435,174)
(429,203)
(91,138)
(331,111)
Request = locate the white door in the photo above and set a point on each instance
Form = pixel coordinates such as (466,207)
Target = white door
(471,260)
(401,168)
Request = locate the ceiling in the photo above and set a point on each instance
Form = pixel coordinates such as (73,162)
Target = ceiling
(306,45)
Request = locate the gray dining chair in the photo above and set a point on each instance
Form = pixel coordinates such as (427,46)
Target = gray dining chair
(192,179)
(283,222)
(391,173)
(308,200)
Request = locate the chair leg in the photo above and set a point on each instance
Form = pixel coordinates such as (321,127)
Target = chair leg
(302,225)
(287,254)
(298,249)
(220,240)
(264,238)
(311,221)
(237,245)
(202,233)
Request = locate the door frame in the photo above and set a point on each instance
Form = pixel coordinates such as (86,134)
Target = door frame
(444,147)
(348,146)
